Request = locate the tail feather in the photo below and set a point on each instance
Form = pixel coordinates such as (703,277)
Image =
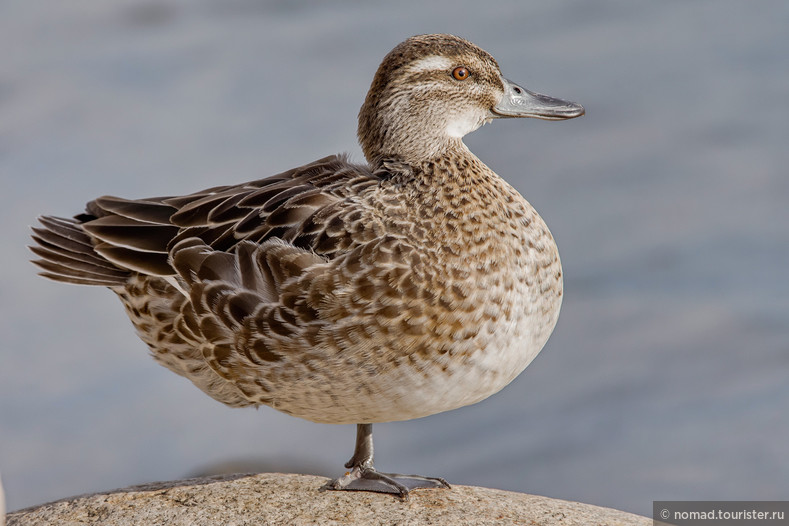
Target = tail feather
(68,255)
(77,280)
(153,263)
(76,263)
(46,235)
(65,229)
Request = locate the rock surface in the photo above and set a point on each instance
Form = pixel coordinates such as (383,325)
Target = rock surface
(272,498)
(2,504)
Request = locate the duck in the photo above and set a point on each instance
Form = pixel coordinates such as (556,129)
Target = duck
(340,292)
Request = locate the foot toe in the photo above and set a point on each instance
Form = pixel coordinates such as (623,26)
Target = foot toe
(368,479)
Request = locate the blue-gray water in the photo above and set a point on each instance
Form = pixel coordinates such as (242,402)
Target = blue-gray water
(667,376)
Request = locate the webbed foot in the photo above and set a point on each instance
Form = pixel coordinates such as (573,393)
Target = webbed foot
(368,479)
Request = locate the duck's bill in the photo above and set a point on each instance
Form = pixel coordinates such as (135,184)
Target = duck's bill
(520,102)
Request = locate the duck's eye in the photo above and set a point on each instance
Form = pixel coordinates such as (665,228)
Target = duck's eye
(460,73)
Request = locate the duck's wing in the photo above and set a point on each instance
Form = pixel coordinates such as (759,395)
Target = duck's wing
(296,206)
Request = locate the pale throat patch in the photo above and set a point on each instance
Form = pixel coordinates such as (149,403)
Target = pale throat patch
(462,124)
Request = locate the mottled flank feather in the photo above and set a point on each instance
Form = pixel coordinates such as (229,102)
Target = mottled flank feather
(339,292)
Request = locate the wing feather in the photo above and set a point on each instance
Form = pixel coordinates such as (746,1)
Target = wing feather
(116,237)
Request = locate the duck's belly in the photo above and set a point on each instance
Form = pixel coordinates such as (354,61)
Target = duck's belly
(423,360)
(471,355)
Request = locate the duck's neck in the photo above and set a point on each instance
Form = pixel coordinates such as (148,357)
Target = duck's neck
(416,151)
(460,207)
(454,166)
(457,183)
(448,151)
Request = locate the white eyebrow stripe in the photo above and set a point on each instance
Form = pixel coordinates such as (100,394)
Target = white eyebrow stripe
(431,63)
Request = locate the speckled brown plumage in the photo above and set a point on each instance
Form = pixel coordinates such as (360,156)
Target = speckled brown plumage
(339,292)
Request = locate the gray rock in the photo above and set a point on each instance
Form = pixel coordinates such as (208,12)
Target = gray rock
(272,498)
(2,504)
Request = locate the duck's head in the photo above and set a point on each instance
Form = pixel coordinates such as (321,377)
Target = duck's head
(431,90)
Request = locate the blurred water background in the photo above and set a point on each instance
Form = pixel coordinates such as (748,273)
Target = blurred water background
(667,375)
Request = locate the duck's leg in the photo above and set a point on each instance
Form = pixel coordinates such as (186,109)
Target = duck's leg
(364,477)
